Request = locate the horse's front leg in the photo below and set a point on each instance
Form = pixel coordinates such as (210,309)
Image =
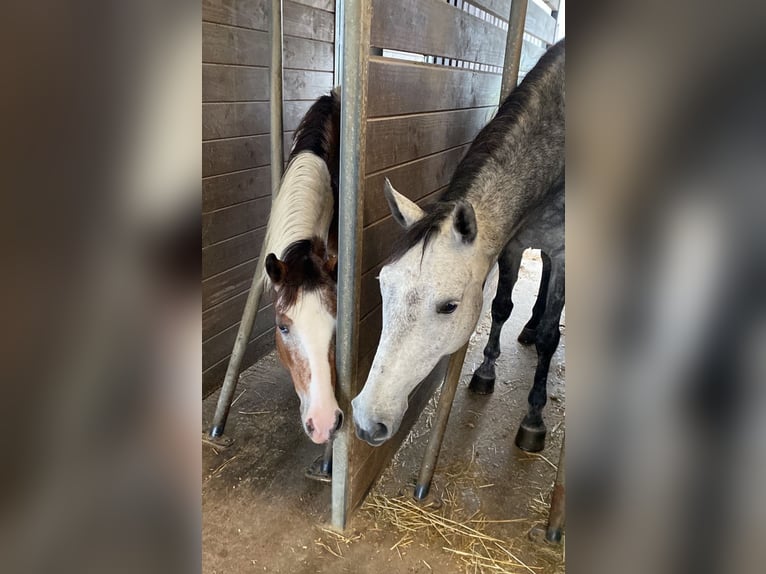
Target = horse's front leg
(531,433)
(483,381)
(529,332)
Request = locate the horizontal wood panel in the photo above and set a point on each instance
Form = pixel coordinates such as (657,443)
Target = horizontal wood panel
(228,313)
(226,254)
(212,378)
(234,83)
(230,221)
(294,112)
(379,238)
(226,120)
(306,54)
(408,88)
(219,346)
(224,190)
(223,156)
(228,45)
(501,8)
(435,28)
(326,5)
(306,84)
(223,286)
(253,14)
(306,22)
(369,331)
(366,462)
(392,141)
(415,180)
(539,23)
(530,54)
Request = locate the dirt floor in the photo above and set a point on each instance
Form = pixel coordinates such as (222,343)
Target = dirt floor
(260,514)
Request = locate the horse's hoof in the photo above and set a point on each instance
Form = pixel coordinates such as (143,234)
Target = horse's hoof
(527,336)
(481,385)
(531,438)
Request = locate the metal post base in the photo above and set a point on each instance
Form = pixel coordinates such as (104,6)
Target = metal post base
(218,442)
(321,468)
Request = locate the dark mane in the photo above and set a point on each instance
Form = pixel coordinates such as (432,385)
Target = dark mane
(319,133)
(486,144)
(304,260)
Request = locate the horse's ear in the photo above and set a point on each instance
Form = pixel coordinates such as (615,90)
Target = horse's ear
(405,211)
(464,222)
(331,266)
(275,269)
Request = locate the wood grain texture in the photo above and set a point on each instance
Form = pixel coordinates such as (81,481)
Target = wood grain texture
(223,44)
(223,156)
(435,28)
(368,462)
(326,5)
(254,14)
(305,22)
(212,378)
(219,346)
(393,141)
(415,180)
(500,8)
(226,254)
(408,88)
(539,23)
(230,283)
(226,120)
(228,189)
(230,221)
(530,54)
(305,85)
(228,313)
(234,83)
(303,54)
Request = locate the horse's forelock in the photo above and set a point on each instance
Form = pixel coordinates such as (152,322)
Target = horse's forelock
(304,261)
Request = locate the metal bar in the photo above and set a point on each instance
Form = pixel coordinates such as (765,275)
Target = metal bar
(513,45)
(353,123)
(275,101)
(556,514)
(431,456)
(256,287)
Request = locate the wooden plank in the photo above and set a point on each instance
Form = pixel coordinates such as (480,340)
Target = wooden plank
(227,45)
(530,54)
(326,5)
(408,88)
(368,462)
(228,313)
(433,27)
(500,8)
(305,22)
(234,83)
(224,156)
(228,120)
(212,378)
(306,84)
(294,112)
(219,346)
(539,23)
(379,237)
(415,179)
(392,141)
(230,221)
(224,190)
(303,54)
(254,14)
(223,286)
(226,254)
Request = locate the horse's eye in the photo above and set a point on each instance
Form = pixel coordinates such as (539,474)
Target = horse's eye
(284,329)
(446,308)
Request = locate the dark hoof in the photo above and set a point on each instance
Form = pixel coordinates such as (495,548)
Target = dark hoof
(481,385)
(530,439)
(527,336)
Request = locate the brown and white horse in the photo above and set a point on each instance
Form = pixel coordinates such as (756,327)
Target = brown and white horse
(301,266)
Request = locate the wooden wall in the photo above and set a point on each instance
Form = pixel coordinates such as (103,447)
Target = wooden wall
(236,183)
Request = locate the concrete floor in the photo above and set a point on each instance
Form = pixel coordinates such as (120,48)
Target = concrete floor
(261,515)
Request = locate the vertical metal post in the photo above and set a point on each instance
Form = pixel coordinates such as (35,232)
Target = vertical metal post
(513,45)
(557,510)
(353,123)
(431,456)
(256,287)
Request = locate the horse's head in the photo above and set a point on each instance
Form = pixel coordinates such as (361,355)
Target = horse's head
(304,282)
(432,298)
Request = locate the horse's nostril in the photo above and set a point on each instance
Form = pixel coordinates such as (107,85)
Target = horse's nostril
(310,427)
(338,421)
(380,431)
